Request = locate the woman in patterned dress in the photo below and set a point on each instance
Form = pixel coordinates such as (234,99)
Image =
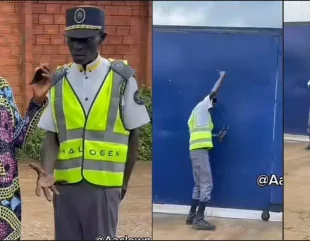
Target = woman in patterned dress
(14,130)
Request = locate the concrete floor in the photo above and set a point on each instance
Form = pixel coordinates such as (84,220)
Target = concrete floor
(296,192)
(172,227)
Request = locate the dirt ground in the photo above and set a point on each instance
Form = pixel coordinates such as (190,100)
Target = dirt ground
(172,227)
(135,217)
(296,192)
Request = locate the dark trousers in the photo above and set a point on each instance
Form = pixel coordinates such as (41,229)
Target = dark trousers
(84,212)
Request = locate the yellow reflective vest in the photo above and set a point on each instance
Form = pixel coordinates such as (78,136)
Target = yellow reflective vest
(200,136)
(93,146)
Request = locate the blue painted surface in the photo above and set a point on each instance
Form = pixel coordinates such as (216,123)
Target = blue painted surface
(277,165)
(296,76)
(185,61)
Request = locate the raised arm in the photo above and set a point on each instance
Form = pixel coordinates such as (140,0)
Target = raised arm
(41,84)
(217,85)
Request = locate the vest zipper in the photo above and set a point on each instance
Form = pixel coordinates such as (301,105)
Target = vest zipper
(83,136)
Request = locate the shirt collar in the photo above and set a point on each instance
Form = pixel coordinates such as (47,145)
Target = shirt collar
(91,66)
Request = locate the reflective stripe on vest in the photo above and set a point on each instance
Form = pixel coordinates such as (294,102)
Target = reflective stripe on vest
(200,137)
(93,145)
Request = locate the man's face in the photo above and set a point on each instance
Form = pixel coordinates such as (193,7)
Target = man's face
(83,51)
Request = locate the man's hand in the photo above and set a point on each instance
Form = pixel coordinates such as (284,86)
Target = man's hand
(223,73)
(45,181)
(41,82)
(218,84)
(223,133)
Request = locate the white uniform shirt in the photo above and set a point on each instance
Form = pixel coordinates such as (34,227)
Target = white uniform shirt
(201,112)
(86,85)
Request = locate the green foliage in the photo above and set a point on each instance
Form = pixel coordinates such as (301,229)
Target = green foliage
(145,150)
(32,148)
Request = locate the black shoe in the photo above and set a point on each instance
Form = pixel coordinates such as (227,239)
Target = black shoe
(203,225)
(190,218)
(307,147)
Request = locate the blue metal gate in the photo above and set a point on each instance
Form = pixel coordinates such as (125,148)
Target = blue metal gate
(296,76)
(277,163)
(185,60)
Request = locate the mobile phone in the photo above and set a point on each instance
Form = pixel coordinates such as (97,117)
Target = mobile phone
(37,77)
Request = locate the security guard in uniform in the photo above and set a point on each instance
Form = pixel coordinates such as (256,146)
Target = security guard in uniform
(200,127)
(92,123)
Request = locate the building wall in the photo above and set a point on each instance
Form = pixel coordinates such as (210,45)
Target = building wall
(32,33)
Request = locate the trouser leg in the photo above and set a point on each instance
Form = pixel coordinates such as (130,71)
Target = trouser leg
(66,218)
(205,177)
(206,186)
(196,176)
(99,212)
(196,189)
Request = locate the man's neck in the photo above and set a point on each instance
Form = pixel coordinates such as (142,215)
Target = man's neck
(85,65)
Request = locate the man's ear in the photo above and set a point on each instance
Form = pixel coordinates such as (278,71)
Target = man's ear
(102,37)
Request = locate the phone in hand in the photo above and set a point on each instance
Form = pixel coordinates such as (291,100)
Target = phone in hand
(37,77)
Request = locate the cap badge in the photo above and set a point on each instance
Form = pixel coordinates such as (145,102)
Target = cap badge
(79,15)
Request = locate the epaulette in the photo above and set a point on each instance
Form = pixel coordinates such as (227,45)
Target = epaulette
(60,72)
(122,69)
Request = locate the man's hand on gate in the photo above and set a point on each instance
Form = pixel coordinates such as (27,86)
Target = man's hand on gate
(223,73)
(223,133)
(45,181)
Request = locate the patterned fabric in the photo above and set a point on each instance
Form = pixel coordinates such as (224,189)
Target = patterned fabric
(14,130)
